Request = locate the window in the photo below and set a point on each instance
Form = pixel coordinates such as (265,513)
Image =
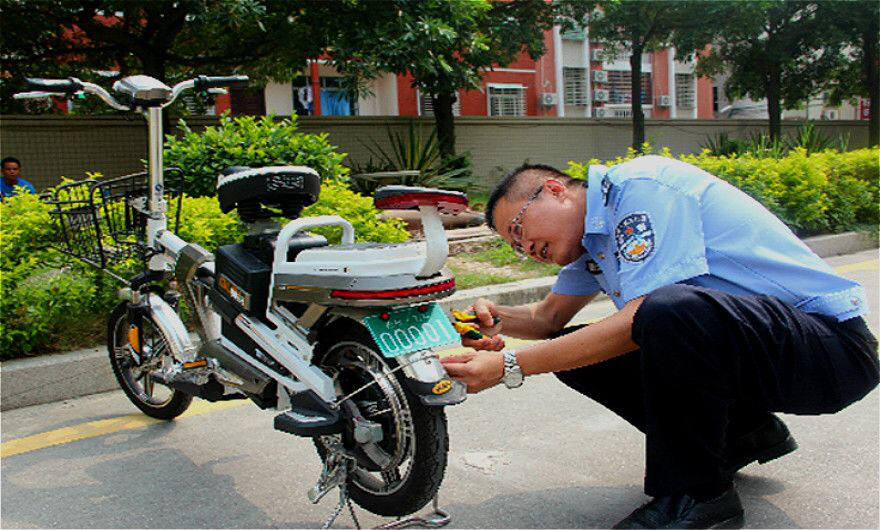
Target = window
(426,106)
(576,33)
(507,100)
(335,98)
(684,91)
(619,87)
(575,80)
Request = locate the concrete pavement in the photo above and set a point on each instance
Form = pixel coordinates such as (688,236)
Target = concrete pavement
(541,456)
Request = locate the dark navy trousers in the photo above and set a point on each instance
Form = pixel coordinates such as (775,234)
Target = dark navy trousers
(712,366)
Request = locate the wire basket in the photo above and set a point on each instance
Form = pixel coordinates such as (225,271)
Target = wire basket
(103,222)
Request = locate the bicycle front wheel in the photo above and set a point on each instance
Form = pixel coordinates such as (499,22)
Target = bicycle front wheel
(153,398)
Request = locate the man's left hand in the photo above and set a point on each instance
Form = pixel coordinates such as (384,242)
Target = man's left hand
(478,370)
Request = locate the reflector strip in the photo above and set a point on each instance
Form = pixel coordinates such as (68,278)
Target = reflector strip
(408,200)
(396,293)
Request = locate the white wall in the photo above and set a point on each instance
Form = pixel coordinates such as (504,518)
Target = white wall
(383,101)
(279,98)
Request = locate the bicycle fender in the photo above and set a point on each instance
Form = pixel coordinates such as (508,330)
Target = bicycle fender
(166,319)
(425,375)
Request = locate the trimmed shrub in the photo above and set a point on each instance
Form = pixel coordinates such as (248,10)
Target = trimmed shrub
(248,141)
(813,193)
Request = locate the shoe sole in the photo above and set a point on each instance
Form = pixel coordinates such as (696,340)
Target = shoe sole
(734,522)
(771,453)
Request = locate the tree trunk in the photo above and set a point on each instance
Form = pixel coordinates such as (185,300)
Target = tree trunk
(445,122)
(872,79)
(774,107)
(638,117)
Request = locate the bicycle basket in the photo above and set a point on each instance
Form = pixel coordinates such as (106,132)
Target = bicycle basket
(103,222)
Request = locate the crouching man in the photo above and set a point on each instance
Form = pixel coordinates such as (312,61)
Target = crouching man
(723,317)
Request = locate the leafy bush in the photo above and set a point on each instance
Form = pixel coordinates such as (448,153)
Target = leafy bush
(45,295)
(248,141)
(337,199)
(813,193)
(40,296)
(410,151)
(806,137)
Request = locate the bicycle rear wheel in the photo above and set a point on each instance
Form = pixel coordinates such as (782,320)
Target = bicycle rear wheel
(401,473)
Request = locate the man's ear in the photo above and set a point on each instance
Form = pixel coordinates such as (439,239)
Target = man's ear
(554,186)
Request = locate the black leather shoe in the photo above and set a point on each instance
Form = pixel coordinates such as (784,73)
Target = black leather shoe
(767,442)
(683,511)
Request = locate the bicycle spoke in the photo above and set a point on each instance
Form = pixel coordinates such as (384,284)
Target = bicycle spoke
(148,387)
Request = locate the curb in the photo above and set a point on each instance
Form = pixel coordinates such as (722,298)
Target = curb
(46,379)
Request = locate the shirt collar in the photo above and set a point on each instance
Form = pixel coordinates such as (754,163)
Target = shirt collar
(595,222)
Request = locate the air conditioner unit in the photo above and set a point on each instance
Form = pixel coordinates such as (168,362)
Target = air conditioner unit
(596,55)
(600,95)
(600,76)
(549,99)
(664,101)
(600,112)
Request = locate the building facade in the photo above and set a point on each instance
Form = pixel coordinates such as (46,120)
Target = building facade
(575,78)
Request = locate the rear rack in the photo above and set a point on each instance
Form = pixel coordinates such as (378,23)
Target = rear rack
(104,222)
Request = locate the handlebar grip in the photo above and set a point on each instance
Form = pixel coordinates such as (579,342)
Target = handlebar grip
(204,82)
(58,86)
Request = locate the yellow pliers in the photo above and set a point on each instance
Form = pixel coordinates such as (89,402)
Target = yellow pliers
(464,324)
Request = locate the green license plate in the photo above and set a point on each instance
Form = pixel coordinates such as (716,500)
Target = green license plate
(409,330)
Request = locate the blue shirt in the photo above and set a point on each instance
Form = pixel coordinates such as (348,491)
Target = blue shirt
(9,191)
(655,221)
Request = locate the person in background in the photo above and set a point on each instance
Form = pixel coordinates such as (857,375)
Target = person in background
(12,179)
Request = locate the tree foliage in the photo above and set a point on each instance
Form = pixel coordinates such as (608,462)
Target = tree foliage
(444,45)
(163,39)
(774,49)
(856,27)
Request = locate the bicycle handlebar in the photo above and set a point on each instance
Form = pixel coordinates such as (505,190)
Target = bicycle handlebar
(39,88)
(204,82)
(70,85)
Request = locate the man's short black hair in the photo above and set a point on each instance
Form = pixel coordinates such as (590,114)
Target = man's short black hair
(513,186)
(10,159)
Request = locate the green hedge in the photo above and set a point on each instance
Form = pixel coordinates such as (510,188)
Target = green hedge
(248,141)
(825,192)
(44,294)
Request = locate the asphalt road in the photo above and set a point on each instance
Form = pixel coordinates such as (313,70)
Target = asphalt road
(538,457)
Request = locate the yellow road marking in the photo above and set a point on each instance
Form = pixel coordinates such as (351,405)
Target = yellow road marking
(860,266)
(93,429)
(97,428)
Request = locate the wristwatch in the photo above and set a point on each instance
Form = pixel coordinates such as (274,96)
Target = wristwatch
(513,376)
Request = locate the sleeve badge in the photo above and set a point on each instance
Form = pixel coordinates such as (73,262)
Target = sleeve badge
(635,237)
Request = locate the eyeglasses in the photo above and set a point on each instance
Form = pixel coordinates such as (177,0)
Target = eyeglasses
(516,228)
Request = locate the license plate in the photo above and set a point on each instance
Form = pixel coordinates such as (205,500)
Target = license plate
(410,329)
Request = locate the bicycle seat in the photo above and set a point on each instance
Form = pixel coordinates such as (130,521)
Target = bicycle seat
(289,188)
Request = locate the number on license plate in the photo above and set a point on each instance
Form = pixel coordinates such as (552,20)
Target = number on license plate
(410,329)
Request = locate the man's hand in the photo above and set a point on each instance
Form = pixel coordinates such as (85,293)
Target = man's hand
(478,370)
(486,313)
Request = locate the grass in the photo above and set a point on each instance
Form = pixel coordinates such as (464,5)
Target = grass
(495,263)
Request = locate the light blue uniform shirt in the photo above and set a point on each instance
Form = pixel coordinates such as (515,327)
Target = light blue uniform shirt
(655,221)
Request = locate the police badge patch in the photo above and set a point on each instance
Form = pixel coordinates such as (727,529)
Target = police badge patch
(635,237)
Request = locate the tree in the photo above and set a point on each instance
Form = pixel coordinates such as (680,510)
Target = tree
(857,33)
(163,39)
(445,45)
(636,27)
(773,49)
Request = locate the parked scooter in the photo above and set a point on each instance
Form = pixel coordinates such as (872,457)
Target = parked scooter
(338,339)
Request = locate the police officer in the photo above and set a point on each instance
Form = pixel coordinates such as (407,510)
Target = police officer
(724,316)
